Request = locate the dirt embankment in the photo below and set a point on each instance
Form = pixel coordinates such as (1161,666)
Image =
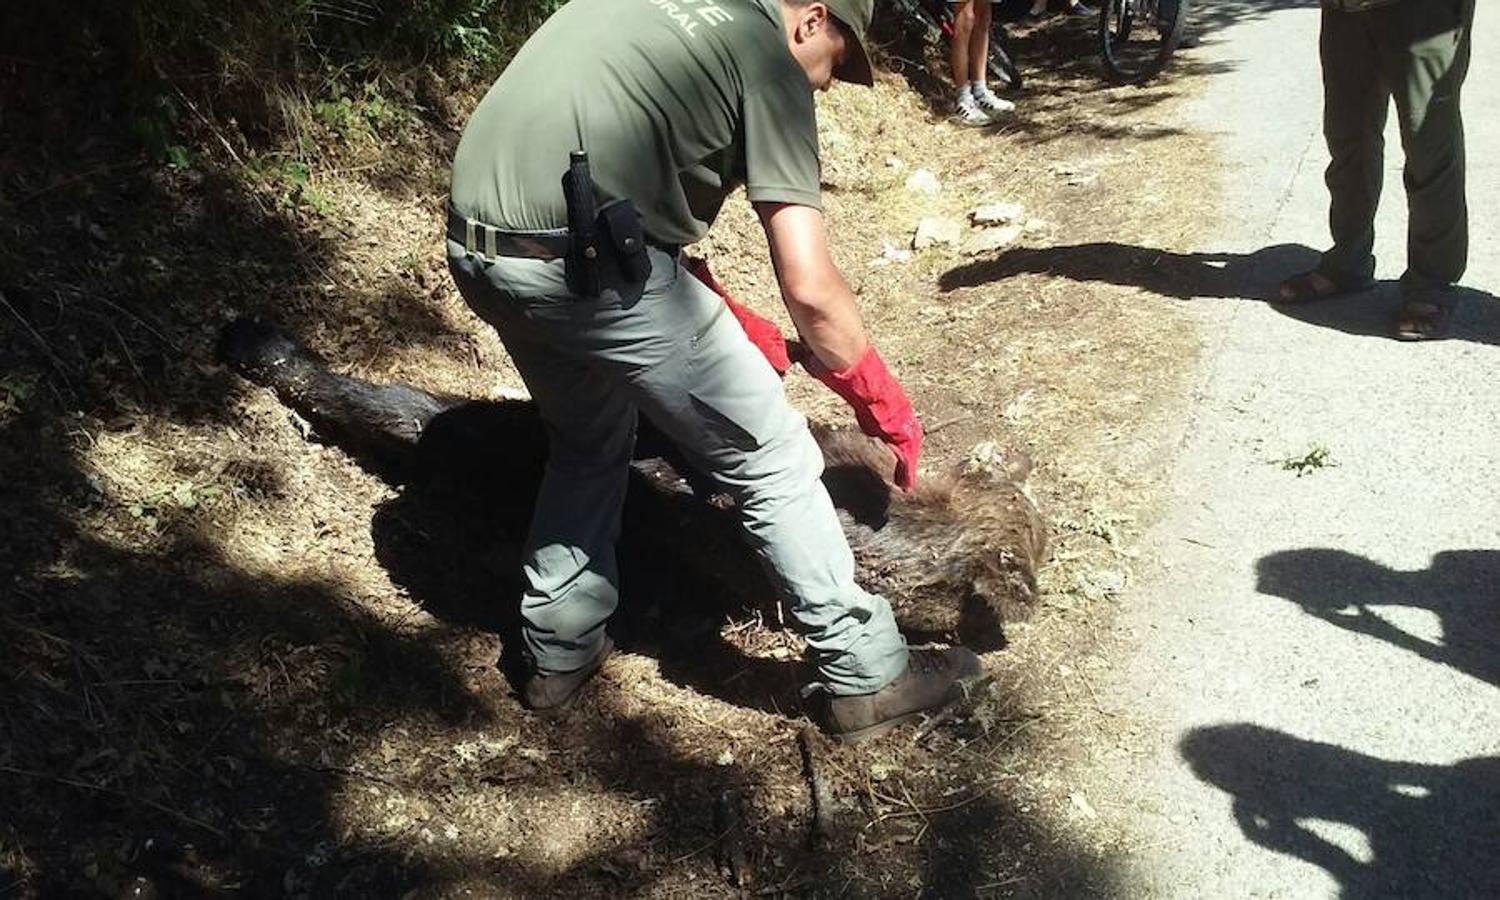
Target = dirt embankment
(233,659)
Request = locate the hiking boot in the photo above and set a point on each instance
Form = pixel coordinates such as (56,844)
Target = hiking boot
(931,682)
(992,104)
(549,692)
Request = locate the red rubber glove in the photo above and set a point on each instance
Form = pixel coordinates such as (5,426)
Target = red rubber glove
(762,332)
(880,407)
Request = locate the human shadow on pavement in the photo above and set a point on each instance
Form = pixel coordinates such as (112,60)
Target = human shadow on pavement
(1423,830)
(1461,588)
(1243,276)
(1249,276)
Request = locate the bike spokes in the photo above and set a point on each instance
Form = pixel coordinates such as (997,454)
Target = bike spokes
(1137,37)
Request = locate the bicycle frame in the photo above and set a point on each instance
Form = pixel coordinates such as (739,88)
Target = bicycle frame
(1133,58)
(937,16)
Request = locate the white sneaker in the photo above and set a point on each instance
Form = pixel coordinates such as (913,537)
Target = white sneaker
(993,104)
(969,113)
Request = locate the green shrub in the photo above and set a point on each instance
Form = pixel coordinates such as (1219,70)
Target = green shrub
(233,60)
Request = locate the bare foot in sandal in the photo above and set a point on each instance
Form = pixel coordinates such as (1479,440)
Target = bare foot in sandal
(1314,285)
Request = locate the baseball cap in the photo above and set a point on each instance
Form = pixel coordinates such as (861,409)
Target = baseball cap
(855,16)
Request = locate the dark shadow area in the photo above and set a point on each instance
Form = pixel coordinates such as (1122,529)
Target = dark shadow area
(156,702)
(133,226)
(1246,276)
(1428,830)
(1460,587)
(1249,276)
(972,852)
(160,710)
(174,725)
(179,717)
(956,556)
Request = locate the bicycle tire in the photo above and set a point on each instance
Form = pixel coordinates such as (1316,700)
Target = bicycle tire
(1128,61)
(1002,62)
(916,9)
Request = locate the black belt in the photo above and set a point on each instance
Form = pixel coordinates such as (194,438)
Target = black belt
(477,237)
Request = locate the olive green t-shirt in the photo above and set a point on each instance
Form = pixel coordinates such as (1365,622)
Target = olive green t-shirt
(676,101)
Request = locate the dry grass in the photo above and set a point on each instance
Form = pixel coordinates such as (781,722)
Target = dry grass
(231,658)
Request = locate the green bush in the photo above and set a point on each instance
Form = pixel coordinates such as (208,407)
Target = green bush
(230,62)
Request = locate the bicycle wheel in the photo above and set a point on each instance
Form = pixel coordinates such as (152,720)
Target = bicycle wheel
(1137,37)
(1002,62)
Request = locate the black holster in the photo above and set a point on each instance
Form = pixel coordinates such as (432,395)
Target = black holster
(606,248)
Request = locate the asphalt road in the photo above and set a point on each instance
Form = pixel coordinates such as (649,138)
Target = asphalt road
(1316,656)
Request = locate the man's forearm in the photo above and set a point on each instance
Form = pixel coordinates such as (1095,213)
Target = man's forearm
(827,320)
(815,293)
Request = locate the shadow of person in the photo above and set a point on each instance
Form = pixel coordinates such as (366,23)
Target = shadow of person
(1422,830)
(1248,276)
(1242,276)
(1461,588)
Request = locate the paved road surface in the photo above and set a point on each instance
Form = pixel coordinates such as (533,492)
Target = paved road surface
(1320,655)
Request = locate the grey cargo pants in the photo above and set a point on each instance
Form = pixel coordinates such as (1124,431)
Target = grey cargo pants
(678,356)
(1416,51)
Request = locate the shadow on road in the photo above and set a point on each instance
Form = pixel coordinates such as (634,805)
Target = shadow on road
(1475,314)
(1459,588)
(1382,828)
(1243,276)
(1250,276)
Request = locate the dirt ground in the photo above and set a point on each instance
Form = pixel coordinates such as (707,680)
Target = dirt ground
(229,661)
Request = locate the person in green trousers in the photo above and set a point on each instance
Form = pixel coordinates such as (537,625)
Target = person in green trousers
(1417,53)
(613,138)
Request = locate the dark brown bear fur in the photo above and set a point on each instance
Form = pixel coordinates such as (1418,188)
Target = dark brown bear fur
(956,558)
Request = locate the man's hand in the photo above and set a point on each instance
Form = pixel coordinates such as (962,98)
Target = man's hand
(827,317)
(880,407)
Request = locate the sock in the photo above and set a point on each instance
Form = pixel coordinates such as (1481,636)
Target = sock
(965,94)
(978,88)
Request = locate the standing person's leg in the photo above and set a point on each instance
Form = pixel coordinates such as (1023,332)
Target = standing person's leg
(680,357)
(719,400)
(1426,49)
(958,48)
(1356,97)
(979,61)
(979,39)
(724,406)
(683,360)
(572,583)
(960,58)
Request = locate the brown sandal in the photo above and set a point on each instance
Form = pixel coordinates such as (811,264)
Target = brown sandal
(1421,320)
(1314,285)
